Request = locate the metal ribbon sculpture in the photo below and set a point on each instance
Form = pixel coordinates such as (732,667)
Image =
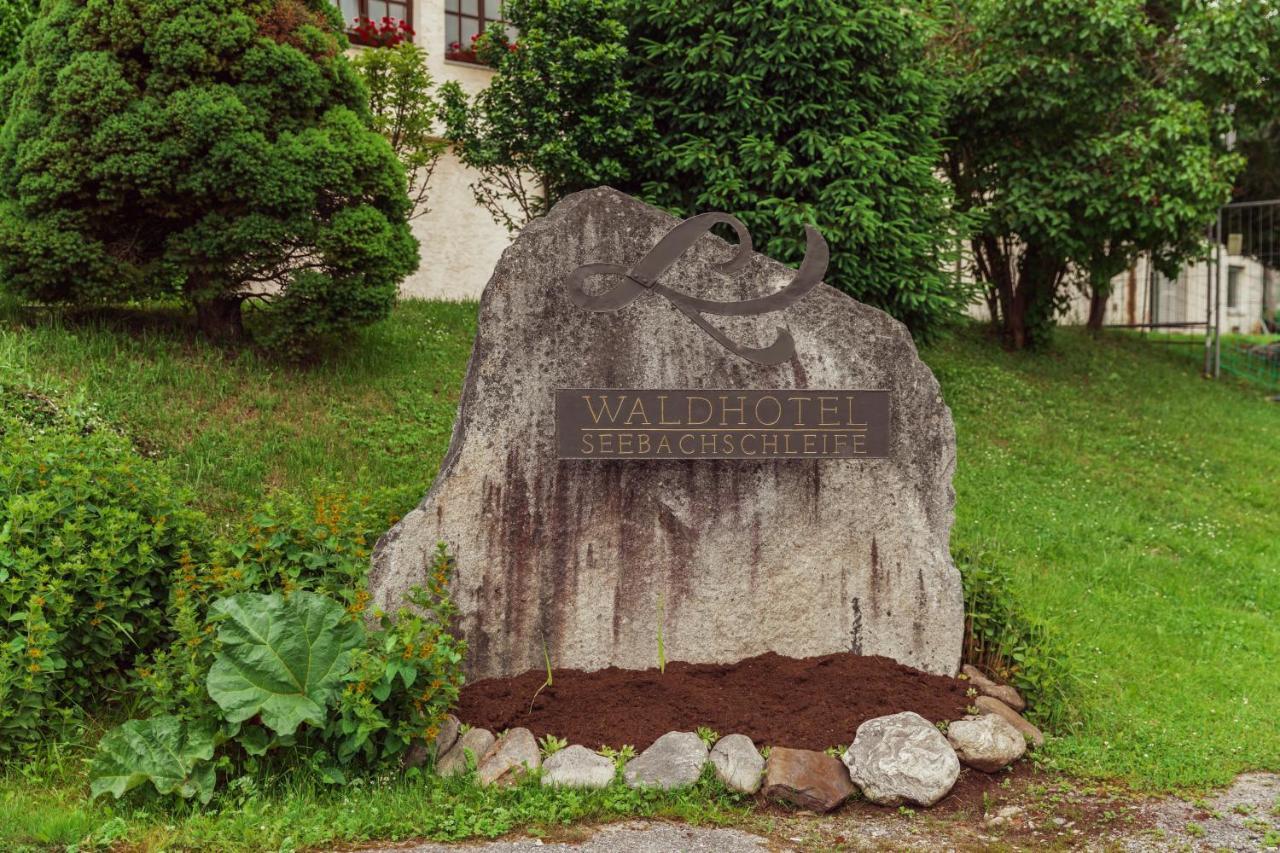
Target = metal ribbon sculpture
(643,276)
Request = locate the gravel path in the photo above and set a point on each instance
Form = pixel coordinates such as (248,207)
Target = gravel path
(630,837)
(1036,814)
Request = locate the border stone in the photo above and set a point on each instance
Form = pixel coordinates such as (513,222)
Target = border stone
(808,779)
(987,743)
(738,763)
(989,705)
(672,761)
(475,741)
(577,767)
(509,759)
(902,758)
(995,690)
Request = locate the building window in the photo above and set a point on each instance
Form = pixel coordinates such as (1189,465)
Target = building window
(378,32)
(464,20)
(1234,274)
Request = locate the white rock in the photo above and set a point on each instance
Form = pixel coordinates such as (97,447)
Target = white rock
(577,767)
(738,763)
(672,761)
(471,746)
(513,755)
(901,758)
(986,743)
(990,705)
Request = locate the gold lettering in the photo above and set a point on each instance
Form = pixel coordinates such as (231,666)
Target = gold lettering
(800,400)
(743,444)
(851,421)
(689,405)
(662,411)
(687,451)
(826,406)
(587,444)
(664,446)
(624,443)
(859,444)
(769,444)
(638,408)
(725,409)
(606,442)
(809,439)
(604,408)
(642,443)
(777,411)
(708,437)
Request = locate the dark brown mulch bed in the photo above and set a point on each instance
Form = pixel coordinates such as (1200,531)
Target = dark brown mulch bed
(806,703)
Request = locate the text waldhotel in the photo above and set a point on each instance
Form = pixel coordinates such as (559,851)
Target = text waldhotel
(595,423)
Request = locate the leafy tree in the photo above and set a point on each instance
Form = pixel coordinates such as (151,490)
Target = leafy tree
(404,107)
(213,150)
(811,112)
(1086,133)
(559,115)
(15,15)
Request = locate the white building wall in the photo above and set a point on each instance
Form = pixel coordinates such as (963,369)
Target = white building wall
(459,242)
(1135,298)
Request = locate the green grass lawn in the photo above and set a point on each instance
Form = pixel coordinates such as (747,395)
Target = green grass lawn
(1135,506)
(373,416)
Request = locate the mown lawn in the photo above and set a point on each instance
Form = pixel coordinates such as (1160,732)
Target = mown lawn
(1133,504)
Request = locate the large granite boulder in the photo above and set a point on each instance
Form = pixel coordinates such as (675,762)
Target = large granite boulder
(735,557)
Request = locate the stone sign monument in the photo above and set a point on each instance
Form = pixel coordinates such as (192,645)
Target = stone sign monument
(664,435)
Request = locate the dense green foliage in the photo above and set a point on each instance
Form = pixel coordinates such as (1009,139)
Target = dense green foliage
(559,114)
(403,105)
(212,150)
(1086,133)
(794,113)
(119,597)
(89,533)
(15,16)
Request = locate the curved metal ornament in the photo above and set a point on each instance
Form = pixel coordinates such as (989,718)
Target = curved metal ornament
(643,277)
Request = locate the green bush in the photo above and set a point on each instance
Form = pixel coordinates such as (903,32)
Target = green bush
(89,533)
(559,115)
(15,15)
(209,151)
(795,113)
(261,672)
(1009,645)
(115,595)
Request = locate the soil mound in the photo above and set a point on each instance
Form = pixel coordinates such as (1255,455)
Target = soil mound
(803,703)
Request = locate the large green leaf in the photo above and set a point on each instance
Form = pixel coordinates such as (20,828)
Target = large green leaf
(281,658)
(174,757)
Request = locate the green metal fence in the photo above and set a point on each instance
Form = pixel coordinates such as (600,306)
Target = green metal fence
(1257,363)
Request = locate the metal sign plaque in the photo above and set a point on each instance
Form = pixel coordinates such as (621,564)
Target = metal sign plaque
(594,423)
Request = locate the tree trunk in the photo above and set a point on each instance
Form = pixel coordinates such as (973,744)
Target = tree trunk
(1030,316)
(219,319)
(1097,308)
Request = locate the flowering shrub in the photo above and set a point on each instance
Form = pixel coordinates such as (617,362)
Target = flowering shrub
(481,49)
(89,535)
(387,32)
(113,593)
